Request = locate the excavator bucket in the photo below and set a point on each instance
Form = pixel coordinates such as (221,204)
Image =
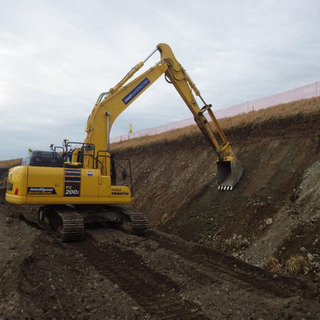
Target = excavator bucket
(229,173)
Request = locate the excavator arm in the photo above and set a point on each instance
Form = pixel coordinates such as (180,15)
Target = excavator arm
(112,103)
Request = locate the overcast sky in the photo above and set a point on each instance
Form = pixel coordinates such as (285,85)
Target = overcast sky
(56,57)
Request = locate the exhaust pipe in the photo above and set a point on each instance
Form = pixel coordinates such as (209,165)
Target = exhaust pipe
(229,173)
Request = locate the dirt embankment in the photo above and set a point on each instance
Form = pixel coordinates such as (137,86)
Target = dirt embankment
(4,164)
(271,218)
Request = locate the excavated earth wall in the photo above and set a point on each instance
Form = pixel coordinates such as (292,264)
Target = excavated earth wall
(273,212)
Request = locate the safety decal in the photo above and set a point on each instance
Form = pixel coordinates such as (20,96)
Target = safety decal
(41,190)
(136,90)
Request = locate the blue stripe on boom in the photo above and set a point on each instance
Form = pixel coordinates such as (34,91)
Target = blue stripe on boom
(136,90)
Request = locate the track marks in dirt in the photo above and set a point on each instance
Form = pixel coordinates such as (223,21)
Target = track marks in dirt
(170,278)
(251,278)
(155,293)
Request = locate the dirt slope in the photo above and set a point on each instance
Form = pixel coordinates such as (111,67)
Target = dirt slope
(10,163)
(273,212)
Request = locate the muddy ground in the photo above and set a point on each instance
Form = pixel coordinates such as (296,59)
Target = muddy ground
(203,258)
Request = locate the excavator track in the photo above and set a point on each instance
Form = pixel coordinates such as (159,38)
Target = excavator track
(137,223)
(68,224)
(72,226)
(123,217)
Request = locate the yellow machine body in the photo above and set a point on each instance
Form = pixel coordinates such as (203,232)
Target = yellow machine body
(39,185)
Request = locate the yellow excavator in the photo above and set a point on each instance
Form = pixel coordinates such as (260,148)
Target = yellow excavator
(76,183)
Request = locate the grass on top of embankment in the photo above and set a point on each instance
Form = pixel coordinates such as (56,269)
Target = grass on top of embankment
(304,107)
(10,163)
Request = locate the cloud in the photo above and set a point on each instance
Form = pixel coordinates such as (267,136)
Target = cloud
(57,57)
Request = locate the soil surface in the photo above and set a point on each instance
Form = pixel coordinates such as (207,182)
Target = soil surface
(273,215)
(209,253)
(115,275)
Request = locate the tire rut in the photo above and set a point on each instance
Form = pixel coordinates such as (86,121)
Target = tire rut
(157,294)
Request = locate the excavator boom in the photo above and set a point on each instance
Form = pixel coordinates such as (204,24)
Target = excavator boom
(110,104)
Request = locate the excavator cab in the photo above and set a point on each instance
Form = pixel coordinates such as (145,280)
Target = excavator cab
(38,158)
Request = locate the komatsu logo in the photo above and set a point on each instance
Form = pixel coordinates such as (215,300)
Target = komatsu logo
(136,90)
(120,193)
